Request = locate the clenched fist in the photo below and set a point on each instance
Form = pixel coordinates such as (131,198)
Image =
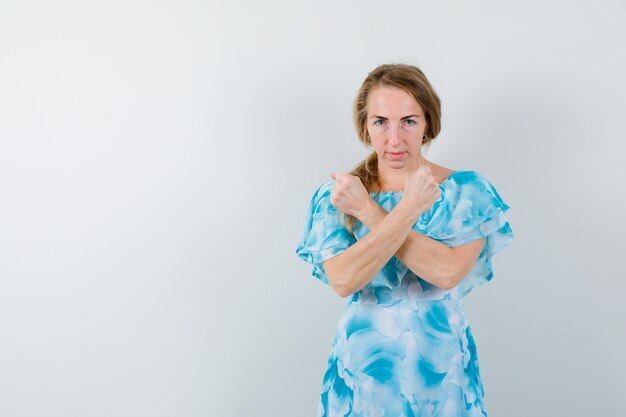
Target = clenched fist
(349,195)
(421,190)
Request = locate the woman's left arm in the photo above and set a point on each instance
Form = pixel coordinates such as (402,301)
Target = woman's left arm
(433,261)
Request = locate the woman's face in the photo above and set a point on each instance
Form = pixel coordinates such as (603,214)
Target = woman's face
(396,125)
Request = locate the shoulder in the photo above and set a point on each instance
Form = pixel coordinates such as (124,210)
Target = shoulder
(440,172)
(470,179)
(475,187)
(323,191)
(326,187)
(321,197)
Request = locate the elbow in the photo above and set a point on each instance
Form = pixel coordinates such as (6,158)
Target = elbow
(448,284)
(342,291)
(449,279)
(340,287)
(453,277)
(337,280)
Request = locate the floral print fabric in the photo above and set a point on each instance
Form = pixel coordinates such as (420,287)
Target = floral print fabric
(403,346)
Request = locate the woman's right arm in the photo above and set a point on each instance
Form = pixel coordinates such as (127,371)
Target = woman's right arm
(352,269)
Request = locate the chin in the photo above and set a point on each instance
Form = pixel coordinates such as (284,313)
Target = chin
(397,164)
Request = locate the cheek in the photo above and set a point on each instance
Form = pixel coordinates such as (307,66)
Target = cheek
(375,137)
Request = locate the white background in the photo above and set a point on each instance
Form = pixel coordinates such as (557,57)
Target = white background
(157,159)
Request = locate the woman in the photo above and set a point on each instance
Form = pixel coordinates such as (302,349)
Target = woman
(405,240)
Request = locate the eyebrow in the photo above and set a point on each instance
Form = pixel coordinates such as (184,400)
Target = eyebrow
(384,118)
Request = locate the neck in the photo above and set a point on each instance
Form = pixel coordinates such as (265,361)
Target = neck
(390,179)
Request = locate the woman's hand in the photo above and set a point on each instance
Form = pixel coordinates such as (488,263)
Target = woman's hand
(349,195)
(421,190)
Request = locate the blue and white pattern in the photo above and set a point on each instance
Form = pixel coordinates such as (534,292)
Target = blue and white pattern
(404,347)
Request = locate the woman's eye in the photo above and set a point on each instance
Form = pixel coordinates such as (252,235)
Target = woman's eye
(410,122)
(379,124)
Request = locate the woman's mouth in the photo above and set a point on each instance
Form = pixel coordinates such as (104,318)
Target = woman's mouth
(396,155)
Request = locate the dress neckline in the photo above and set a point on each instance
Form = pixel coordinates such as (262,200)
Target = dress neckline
(448,178)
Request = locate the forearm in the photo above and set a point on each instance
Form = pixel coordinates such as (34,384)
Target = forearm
(429,259)
(357,265)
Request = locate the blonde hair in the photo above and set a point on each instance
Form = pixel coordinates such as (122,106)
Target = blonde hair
(410,79)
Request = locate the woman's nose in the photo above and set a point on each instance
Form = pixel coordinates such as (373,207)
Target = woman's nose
(394,135)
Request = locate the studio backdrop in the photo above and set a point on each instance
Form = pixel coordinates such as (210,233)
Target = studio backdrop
(157,160)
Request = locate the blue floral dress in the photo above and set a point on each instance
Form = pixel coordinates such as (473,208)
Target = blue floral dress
(404,347)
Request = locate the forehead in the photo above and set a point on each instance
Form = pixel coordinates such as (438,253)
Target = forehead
(391,100)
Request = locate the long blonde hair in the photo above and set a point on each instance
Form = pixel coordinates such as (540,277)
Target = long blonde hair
(410,79)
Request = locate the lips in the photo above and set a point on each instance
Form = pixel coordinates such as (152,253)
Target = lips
(395,155)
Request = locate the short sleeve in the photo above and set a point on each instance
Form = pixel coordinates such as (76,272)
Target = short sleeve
(324,235)
(479,213)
